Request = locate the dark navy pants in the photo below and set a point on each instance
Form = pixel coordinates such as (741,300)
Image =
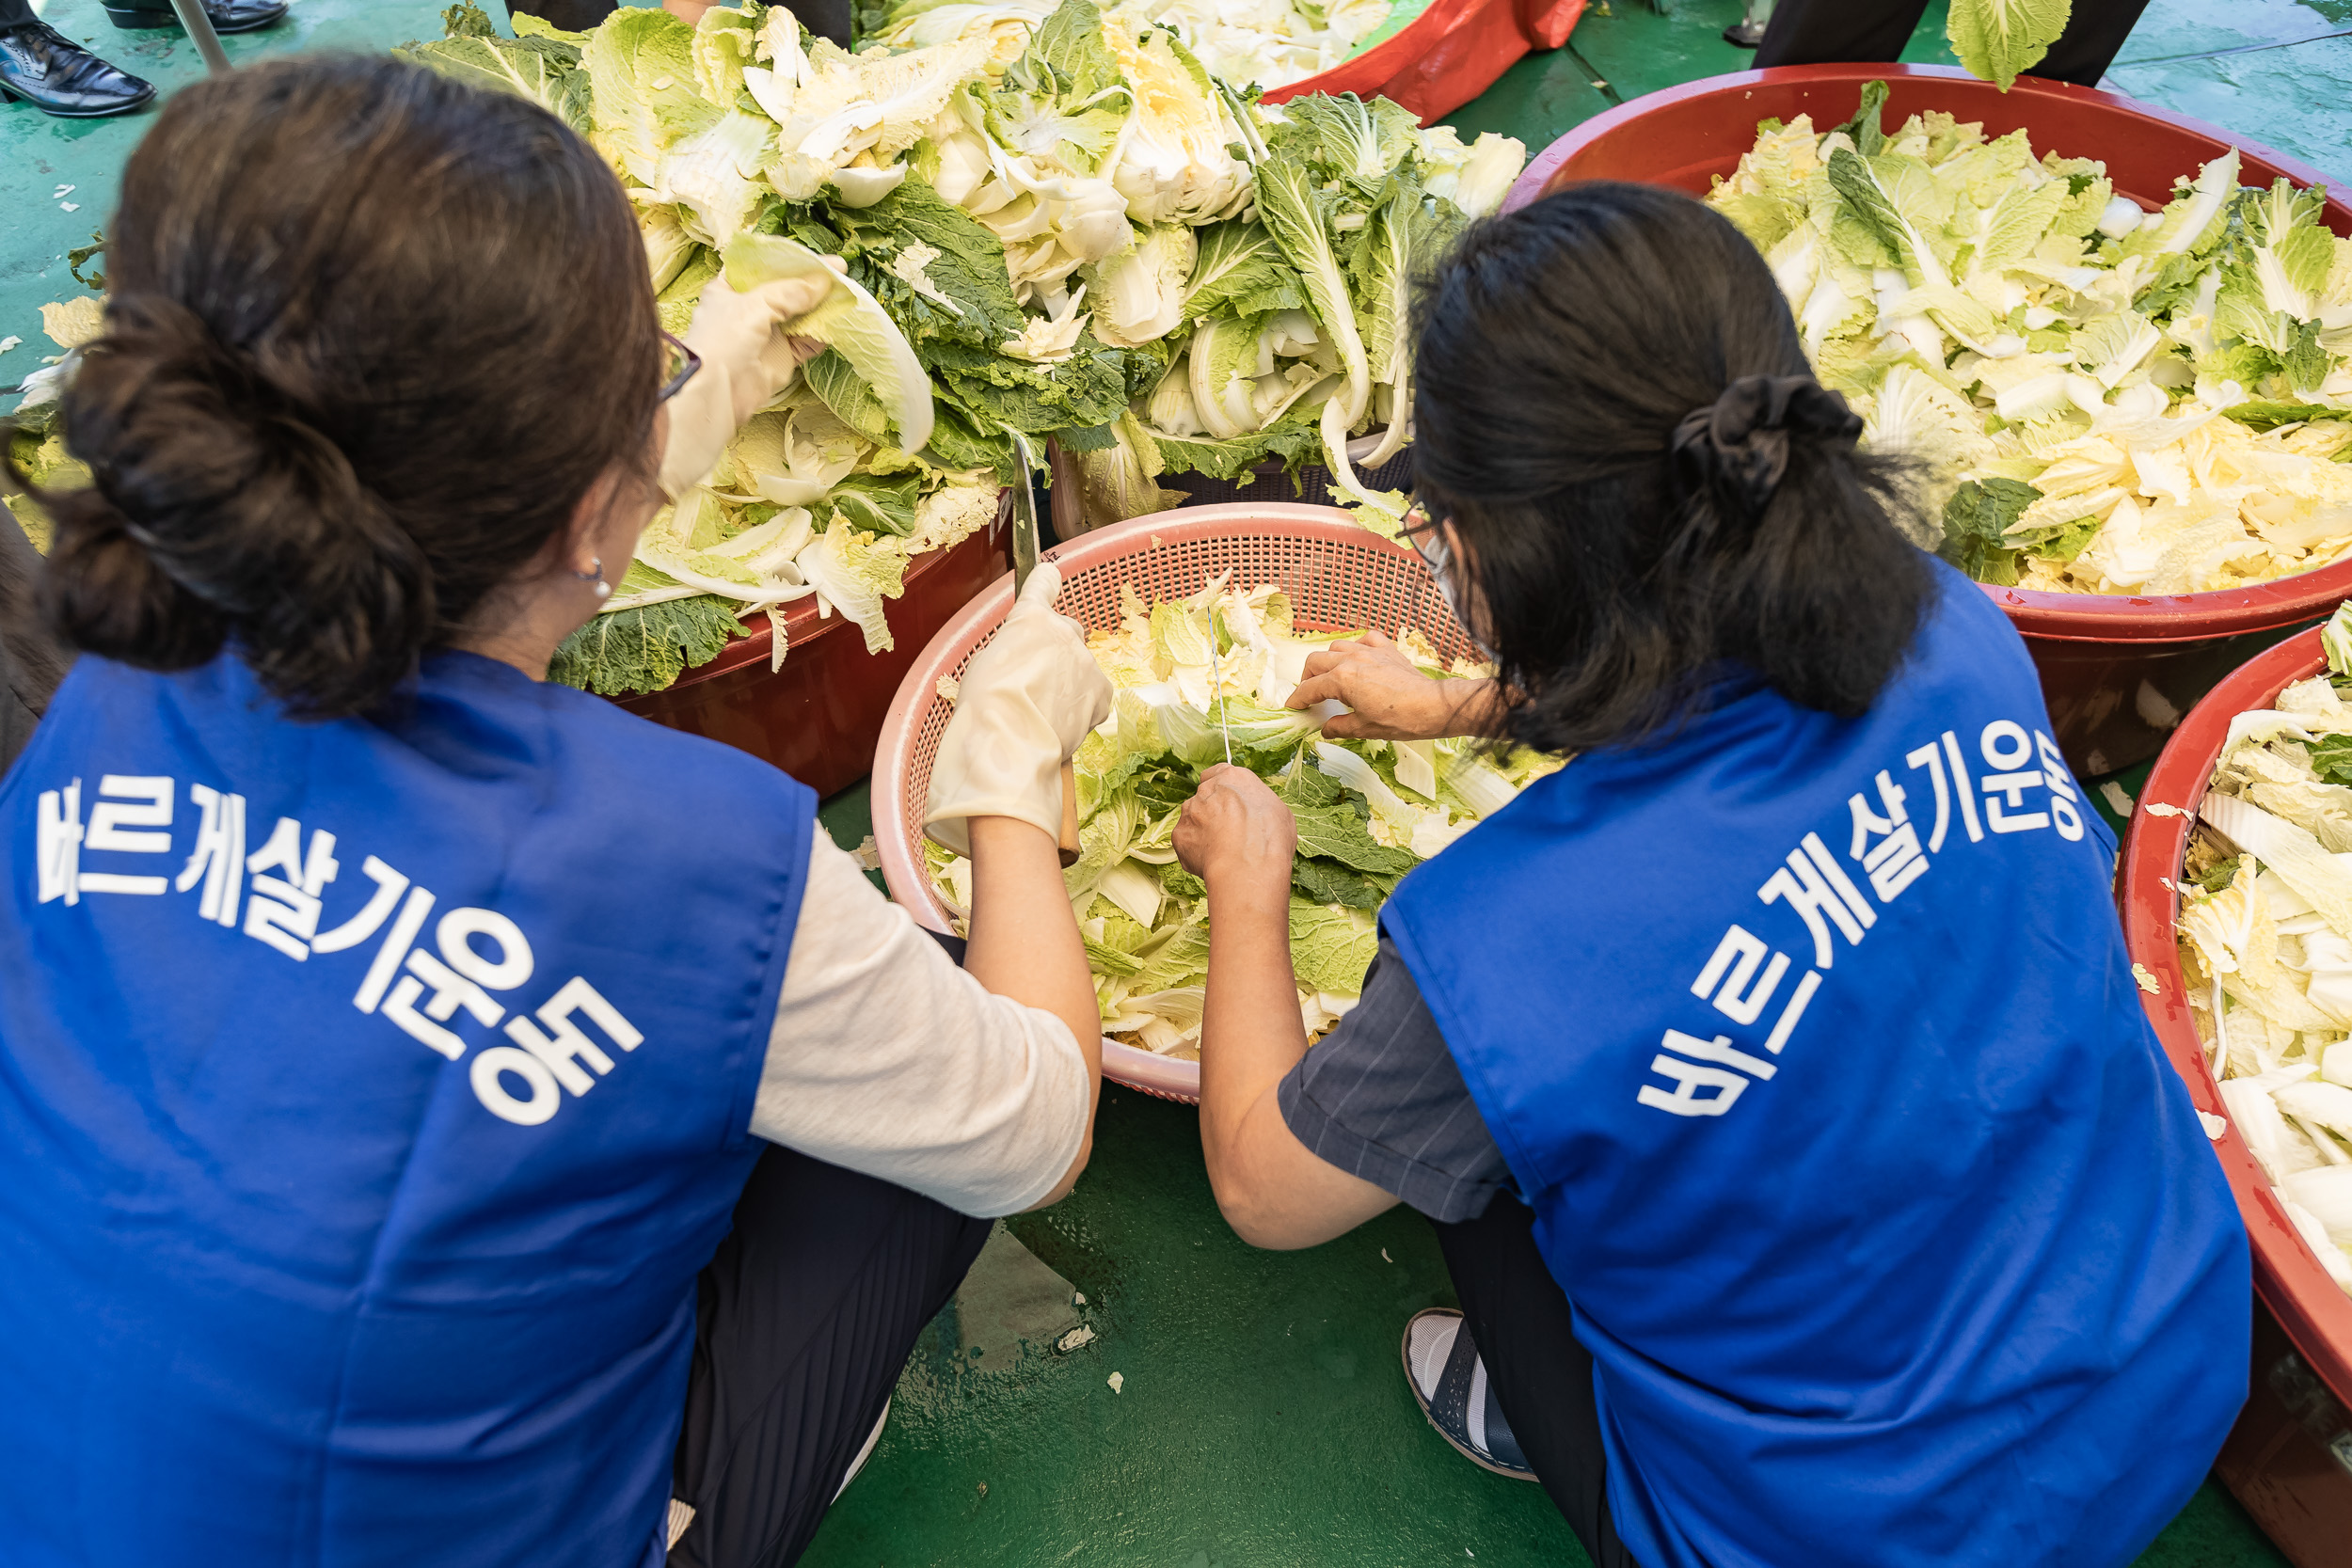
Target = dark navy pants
(804,1321)
(1518,1317)
(1817,32)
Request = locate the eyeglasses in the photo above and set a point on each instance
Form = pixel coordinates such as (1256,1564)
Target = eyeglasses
(678,365)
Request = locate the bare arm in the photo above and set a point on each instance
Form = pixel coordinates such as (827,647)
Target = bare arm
(1024,945)
(1390,697)
(1238,838)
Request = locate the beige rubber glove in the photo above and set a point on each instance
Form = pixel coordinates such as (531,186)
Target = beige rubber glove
(1024,702)
(746,362)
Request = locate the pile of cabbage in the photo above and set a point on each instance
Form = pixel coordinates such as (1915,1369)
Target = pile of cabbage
(2265,932)
(2107,400)
(1288,333)
(1039,218)
(1189,674)
(1261,43)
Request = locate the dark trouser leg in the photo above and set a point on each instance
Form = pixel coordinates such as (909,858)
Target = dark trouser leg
(14,11)
(1815,32)
(573,16)
(1518,1317)
(827,19)
(2094,36)
(804,1320)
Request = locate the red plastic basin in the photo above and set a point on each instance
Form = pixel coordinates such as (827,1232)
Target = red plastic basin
(2117,670)
(2317,1315)
(818,717)
(2290,1458)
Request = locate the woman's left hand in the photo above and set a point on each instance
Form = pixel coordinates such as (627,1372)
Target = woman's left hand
(1238,837)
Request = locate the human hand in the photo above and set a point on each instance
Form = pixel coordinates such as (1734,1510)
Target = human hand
(1238,837)
(1023,706)
(1390,697)
(735,332)
(746,361)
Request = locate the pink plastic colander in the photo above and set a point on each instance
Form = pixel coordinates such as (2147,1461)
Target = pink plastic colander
(1338,578)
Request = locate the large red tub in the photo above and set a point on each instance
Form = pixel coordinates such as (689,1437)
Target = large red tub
(2118,671)
(1447,56)
(818,717)
(2290,1461)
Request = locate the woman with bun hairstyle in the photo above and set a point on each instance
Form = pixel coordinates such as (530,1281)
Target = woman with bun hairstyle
(1813,1187)
(447,1120)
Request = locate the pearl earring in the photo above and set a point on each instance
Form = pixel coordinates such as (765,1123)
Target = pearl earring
(596,574)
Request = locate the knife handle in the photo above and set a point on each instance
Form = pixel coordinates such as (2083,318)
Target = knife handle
(1069,843)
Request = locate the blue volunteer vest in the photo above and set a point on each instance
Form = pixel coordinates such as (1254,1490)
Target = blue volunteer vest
(371,1095)
(1815,1048)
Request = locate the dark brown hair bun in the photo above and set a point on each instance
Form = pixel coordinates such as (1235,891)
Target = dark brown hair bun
(373,336)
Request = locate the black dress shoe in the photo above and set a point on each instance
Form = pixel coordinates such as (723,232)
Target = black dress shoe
(58,76)
(228,16)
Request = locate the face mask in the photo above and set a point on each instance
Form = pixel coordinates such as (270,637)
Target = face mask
(1428,542)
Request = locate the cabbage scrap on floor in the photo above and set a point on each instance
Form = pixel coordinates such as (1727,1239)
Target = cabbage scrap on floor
(2105,400)
(37,424)
(1367,811)
(2265,930)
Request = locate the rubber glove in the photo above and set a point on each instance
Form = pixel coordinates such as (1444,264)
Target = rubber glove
(1023,704)
(746,362)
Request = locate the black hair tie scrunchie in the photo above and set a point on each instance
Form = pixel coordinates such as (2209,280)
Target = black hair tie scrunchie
(1740,442)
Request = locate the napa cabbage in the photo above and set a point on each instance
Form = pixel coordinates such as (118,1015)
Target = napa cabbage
(2171,385)
(2265,945)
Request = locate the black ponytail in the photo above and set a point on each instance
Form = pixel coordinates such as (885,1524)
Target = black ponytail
(1614,410)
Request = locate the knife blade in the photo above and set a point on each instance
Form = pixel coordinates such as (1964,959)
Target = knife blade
(1025,530)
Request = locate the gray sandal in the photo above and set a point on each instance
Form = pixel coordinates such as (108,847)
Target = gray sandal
(1450,1383)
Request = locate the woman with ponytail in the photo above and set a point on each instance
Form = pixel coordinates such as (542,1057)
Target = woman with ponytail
(446,1120)
(1813,1185)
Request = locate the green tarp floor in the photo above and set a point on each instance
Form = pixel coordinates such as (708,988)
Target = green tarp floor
(1261,1418)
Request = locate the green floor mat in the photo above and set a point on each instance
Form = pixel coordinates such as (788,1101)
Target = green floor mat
(2292,98)
(39,155)
(1261,1417)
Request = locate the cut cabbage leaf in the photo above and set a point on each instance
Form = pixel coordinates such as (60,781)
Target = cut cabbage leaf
(2291,851)
(1998,40)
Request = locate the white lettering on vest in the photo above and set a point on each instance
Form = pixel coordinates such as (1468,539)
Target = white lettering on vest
(1742,976)
(491,1064)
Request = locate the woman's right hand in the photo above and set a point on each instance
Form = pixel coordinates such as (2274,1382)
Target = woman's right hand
(1023,705)
(1238,838)
(1388,697)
